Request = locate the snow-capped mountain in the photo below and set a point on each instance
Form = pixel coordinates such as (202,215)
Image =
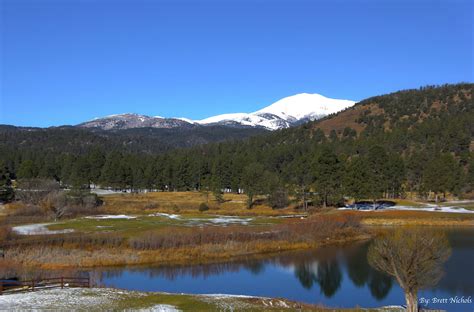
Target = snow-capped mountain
(287,112)
(129,121)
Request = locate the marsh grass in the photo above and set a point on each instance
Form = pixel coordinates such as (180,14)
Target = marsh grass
(187,203)
(179,245)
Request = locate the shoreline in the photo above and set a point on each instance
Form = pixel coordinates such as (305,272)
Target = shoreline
(127,300)
(205,254)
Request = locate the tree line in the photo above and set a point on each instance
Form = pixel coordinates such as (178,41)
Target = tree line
(420,144)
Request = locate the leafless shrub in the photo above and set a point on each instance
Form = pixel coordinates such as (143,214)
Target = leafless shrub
(33,191)
(5,233)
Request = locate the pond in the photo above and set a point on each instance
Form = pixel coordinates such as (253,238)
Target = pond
(337,276)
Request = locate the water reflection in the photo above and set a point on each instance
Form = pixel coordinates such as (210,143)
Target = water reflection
(334,276)
(313,269)
(379,285)
(363,274)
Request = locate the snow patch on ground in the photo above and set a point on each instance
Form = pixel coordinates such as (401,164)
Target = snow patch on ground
(224,220)
(59,299)
(166,215)
(225,296)
(162,308)
(427,208)
(105,192)
(434,208)
(73,299)
(211,220)
(105,217)
(38,229)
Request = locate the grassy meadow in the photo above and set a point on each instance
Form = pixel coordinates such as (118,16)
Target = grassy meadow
(169,228)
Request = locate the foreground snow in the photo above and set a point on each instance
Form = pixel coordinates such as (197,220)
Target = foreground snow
(162,308)
(65,299)
(111,299)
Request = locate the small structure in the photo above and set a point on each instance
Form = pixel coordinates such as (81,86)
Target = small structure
(370,205)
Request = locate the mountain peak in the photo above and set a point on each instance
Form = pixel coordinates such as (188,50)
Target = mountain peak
(305,105)
(284,113)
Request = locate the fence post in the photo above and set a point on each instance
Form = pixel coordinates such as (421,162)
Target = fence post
(33,284)
(1,288)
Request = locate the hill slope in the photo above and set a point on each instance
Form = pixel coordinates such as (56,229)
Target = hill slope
(140,140)
(403,109)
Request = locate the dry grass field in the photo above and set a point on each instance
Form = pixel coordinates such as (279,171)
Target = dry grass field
(187,203)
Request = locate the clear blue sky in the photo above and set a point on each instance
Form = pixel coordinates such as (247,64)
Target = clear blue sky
(67,61)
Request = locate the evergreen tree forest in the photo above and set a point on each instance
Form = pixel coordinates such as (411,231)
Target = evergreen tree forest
(408,142)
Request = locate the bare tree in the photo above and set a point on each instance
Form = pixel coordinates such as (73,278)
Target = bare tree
(33,191)
(56,202)
(414,257)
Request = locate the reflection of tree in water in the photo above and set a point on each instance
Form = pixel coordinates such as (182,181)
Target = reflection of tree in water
(329,277)
(326,273)
(459,266)
(357,267)
(361,273)
(305,276)
(204,270)
(320,267)
(379,284)
(255,267)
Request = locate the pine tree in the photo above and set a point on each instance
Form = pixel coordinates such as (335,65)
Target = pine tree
(327,171)
(252,181)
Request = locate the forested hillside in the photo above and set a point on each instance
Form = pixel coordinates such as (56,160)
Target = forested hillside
(75,140)
(386,146)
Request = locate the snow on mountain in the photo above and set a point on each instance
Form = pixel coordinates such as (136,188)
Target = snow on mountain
(287,112)
(130,121)
(304,104)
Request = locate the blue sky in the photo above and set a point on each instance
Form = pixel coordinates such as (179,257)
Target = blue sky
(67,61)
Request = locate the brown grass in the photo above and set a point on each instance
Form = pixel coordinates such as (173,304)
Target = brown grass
(413,218)
(186,203)
(182,246)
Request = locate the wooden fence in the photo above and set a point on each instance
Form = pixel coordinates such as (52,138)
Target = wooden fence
(14,286)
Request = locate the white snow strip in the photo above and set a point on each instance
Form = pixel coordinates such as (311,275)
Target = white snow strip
(230,296)
(105,192)
(230,220)
(62,299)
(162,308)
(38,229)
(166,215)
(214,220)
(432,208)
(105,217)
